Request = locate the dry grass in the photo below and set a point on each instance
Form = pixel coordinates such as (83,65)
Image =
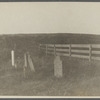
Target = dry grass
(81,78)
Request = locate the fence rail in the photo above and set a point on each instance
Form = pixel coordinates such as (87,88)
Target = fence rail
(87,51)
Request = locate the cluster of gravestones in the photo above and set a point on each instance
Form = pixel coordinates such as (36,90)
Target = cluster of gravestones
(58,70)
(27,62)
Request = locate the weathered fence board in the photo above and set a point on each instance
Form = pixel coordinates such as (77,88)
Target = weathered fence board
(80,51)
(62,54)
(67,50)
(95,52)
(79,56)
(80,45)
(73,50)
(62,45)
(95,45)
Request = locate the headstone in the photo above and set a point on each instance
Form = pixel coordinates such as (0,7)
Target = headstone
(31,63)
(58,72)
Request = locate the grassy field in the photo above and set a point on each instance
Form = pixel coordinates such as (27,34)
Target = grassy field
(80,78)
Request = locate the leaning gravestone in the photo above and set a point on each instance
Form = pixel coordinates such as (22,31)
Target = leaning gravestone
(58,72)
(31,63)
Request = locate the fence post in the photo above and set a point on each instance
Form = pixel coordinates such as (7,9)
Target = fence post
(46,49)
(90,52)
(69,49)
(54,50)
(13,58)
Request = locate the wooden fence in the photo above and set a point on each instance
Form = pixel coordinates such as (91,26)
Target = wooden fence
(87,51)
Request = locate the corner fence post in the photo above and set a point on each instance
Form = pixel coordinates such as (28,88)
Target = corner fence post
(90,52)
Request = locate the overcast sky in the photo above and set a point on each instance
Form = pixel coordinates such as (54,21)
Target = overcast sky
(50,17)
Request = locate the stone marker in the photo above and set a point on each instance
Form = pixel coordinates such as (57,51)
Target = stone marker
(31,63)
(58,72)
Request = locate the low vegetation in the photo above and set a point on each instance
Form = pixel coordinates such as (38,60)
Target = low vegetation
(80,78)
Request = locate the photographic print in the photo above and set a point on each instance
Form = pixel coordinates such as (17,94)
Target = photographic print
(50,49)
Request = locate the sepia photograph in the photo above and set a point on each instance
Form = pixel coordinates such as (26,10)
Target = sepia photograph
(49,49)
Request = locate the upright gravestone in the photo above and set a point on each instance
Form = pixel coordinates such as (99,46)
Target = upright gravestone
(31,63)
(58,70)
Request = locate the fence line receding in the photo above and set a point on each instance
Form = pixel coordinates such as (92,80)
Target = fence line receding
(87,51)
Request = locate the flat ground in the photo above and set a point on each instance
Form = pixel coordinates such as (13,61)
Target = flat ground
(80,78)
